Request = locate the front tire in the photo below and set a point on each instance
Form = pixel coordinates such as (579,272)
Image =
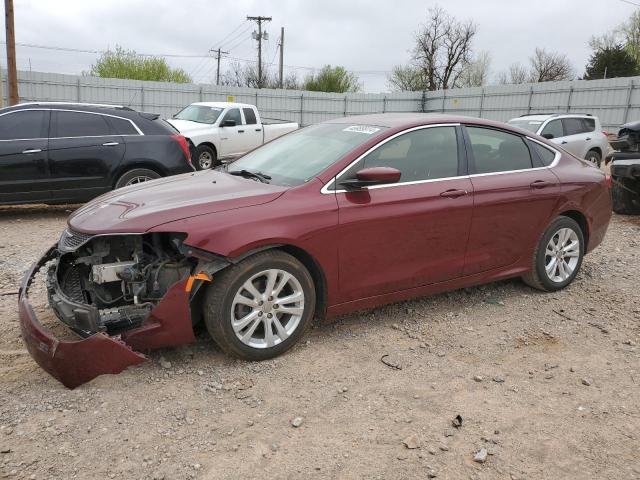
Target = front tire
(558,256)
(206,157)
(261,307)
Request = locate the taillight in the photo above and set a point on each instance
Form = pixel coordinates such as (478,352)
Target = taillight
(605,133)
(184,145)
(608,180)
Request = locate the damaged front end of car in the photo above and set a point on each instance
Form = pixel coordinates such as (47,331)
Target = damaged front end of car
(121,293)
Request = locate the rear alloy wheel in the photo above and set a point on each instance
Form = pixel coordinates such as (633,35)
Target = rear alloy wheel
(135,176)
(260,307)
(206,157)
(594,157)
(558,257)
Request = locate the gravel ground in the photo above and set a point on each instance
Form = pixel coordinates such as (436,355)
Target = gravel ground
(546,386)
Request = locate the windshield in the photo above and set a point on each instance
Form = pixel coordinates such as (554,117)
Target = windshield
(531,125)
(295,158)
(199,113)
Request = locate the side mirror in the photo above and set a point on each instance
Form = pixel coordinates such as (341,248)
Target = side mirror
(228,123)
(548,136)
(372,176)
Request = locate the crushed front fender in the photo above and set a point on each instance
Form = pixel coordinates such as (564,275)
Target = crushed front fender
(72,362)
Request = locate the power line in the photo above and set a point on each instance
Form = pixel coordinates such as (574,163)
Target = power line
(630,2)
(231,40)
(232,32)
(172,55)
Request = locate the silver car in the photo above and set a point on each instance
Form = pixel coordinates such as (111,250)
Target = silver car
(579,134)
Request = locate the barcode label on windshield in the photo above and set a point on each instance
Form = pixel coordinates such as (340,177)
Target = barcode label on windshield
(361,129)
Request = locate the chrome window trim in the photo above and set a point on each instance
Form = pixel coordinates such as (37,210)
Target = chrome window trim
(75,111)
(325,189)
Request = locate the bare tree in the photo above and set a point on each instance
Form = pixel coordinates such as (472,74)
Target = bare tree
(238,75)
(407,79)
(476,72)
(515,74)
(443,49)
(550,67)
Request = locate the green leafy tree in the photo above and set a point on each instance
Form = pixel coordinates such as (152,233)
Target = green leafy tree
(407,79)
(121,63)
(332,79)
(615,61)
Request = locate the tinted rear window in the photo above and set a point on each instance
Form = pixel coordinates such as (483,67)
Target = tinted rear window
(547,156)
(573,126)
(249,116)
(589,124)
(78,124)
(23,125)
(120,126)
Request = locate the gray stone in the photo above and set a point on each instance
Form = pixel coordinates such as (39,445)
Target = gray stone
(411,442)
(480,456)
(296,422)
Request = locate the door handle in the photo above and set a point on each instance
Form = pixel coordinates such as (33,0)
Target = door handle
(258,129)
(453,193)
(587,139)
(563,142)
(240,131)
(540,184)
(32,150)
(110,144)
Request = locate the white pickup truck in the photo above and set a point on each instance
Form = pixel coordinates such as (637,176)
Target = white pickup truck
(221,130)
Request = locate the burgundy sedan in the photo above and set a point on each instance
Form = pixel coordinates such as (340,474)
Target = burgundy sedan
(345,215)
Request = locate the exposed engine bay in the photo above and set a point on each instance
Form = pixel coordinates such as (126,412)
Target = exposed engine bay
(111,283)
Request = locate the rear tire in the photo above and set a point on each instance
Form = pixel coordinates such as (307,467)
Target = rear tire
(206,157)
(625,195)
(135,176)
(557,257)
(260,307)
(594,157)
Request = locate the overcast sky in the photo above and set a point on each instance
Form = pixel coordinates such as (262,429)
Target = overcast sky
(367,37)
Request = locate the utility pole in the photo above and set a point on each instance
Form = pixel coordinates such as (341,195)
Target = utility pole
(12,73)
(218,53)
(259,36)
(281,77)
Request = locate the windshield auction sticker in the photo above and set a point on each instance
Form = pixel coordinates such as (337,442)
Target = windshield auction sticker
(362,129)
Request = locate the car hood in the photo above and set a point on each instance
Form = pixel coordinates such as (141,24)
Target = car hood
(187,127)
(138,208)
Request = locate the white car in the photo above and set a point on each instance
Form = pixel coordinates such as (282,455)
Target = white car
(579,134)
(224,130)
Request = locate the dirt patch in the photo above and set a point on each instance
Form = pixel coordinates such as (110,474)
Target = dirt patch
(547,384)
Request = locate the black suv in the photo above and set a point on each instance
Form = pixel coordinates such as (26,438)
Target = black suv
(68,153)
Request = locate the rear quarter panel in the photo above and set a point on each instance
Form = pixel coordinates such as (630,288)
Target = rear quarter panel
(160,153)
(584,189)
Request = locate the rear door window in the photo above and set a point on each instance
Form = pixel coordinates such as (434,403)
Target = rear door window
(249,116)
(573,126)
(121,126)
(589,124)
(23,125)
(497,151)
(78,124)
(553,128)
(546,155)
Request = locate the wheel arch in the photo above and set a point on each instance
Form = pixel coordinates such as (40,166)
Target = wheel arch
(310,263)
(581,220)
(598,150)
(146,164)
(210,145)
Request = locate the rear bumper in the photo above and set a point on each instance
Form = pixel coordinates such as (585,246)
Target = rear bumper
(74,362)
(626,168)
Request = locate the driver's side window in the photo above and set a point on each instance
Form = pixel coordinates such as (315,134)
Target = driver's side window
(233,114)
(553,128)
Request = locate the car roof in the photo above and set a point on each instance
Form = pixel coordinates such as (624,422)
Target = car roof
(545,116)
(117,110)
(409,119)
(224,104)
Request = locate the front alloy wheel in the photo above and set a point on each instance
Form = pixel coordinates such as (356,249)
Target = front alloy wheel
(267,308)
(260,307)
